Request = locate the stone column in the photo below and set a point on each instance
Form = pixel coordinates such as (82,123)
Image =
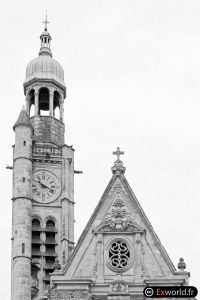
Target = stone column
(22,213)
(65,229)
(99,258)
(62,110)
(28,104)
(36,103)
(68,200)
(51,103)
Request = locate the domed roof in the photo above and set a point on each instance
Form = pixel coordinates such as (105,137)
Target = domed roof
(45,67)
(45,33)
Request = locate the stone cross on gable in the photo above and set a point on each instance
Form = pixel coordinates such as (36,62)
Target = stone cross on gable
(118,153)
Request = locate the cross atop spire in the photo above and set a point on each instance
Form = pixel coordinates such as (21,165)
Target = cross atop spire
(45,38)
(118,153)
(45,22)
(118,167)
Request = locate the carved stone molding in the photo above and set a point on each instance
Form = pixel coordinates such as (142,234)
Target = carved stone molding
(34,287)
(119,226)
(68,295)
(47,151)
(118,219)
(119,287)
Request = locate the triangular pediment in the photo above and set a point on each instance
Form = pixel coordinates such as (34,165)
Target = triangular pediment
(118,217)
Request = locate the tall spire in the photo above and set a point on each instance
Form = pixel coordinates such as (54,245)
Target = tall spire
(45,40)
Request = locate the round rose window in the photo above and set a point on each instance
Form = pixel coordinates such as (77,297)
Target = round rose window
(119,255)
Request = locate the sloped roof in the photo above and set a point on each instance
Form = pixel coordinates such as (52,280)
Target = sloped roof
(23,120)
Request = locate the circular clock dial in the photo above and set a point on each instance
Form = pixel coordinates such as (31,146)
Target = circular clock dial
(45,186)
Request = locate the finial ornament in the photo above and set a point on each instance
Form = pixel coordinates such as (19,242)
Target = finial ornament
(118,153)
(118,167)
(181,264)
(45,22)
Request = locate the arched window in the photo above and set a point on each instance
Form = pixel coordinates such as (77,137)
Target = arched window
(35,223)
(50,224)
(31,97)
(50,253)
(44,102)
(56,107)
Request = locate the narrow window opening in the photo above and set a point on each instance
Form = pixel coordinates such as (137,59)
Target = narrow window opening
(24,143)
(47,155)
(23,179)
(23,248)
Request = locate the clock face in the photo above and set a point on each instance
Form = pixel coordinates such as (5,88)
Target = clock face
(45,186)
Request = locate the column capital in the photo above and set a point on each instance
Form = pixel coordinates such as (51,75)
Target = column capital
(36,89)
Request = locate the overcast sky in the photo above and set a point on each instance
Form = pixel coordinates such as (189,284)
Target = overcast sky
(132,70)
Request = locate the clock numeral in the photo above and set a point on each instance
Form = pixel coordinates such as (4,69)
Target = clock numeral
(33,185)
(34,190)
(43,195)
(38,194)
(51,182)
(38,177)
(53,186)
(43,176)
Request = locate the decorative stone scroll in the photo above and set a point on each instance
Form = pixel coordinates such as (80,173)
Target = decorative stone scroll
(68,295)
(119,219)
(34,287)
(118,211)
(119,287)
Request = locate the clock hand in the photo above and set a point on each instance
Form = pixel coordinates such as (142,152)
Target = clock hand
(47,185)
(42,184)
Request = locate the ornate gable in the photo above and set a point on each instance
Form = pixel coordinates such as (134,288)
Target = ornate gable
(118,219)
(118,251)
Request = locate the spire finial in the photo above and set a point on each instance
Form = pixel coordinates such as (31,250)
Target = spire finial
(118,153)
(181,265)
(45,38)
(45,22)
(118,164)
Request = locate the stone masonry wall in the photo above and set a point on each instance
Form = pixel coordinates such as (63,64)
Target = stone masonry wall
(47,128)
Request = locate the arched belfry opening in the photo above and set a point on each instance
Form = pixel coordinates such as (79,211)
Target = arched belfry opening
(44,105)
(31,103)
(44,102)
(56,105)
(45,41)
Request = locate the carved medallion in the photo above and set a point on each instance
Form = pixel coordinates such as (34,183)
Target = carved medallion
(119,287)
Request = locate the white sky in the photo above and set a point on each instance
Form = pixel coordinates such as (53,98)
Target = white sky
(132,70)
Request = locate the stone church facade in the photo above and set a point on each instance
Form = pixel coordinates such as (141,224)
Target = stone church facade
(118,253)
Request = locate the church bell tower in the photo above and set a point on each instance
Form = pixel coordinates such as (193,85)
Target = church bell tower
(43,179)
